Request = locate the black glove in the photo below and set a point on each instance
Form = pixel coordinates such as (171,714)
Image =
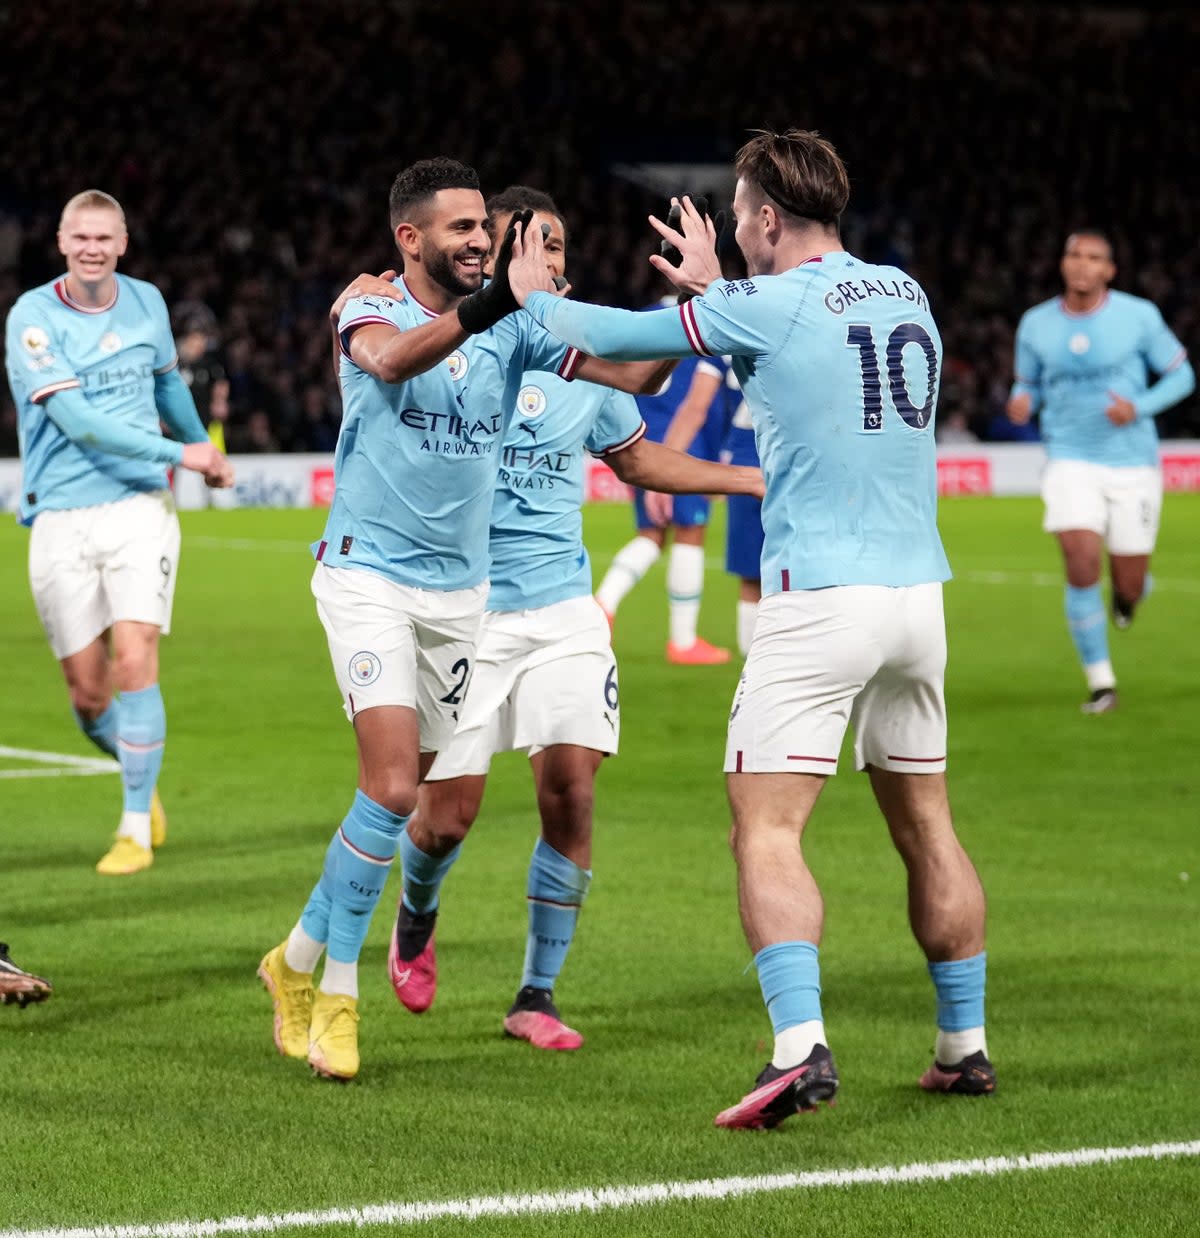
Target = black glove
(675,216)
(485,308)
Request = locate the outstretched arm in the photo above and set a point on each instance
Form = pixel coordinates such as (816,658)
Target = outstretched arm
(652,466)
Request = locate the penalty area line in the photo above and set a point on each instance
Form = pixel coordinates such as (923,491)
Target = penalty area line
(602,1199)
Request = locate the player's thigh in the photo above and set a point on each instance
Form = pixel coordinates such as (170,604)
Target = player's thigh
(743,536)
(813,652)
(1135,498)
(766,806)
(370,636)
(447,628)
(66,582)
(138,543)
(899,718)
(1074,498)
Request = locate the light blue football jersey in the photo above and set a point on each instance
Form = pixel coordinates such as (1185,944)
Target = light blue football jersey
(839,361)
(1069,363)
(416,462)
(112,354)
(537,550)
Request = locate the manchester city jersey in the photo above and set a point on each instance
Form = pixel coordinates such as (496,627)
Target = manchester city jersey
(537,551)
(839,361)
(416,462)
(1072,364)
(111,354)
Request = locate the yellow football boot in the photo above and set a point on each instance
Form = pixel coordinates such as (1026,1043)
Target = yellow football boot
(292,994)
(125,856)
(333,1036)
(158,821)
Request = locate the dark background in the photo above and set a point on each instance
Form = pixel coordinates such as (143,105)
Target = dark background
(252,145)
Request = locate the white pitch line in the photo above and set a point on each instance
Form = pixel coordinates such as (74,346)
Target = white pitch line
(65,771)
(106,764)
(602,1199)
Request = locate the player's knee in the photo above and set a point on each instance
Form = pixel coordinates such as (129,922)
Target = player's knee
(89,700)
(134,669)
(391,790)
(567,806)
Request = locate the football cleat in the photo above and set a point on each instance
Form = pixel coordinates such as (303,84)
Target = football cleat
(779,1093)
(1102,701)
(292,995)
(333,1036)
(973,1076)
(125,856)
(412,961)
(158,821)
(534,1018)
(700,653)
(20,986)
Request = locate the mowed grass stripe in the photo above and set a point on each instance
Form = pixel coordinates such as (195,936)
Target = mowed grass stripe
(603,1199)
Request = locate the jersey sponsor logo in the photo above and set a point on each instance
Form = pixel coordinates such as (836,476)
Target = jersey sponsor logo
(365,668)
(35,341)
(531,401)
(523,469)
(110,341)
(458,365)
(851,292)
(1079,343)
(458,435)
(98,380)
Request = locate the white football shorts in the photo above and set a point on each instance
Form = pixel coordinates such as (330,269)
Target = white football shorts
(91,567)
(542,677)
(865,655)
(392,644)
(1122,505)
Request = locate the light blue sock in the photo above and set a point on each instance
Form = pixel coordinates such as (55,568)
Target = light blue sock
(789,975)
(556,890)
(141,734)
(423,875)
(356,870)
(1088,622)
(960,985)
(102,731)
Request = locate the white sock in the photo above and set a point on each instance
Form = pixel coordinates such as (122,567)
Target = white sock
(633,561)
(747,614)
(1100,675)
(685,584)
(794,1044)
(340,978)
(136,825)
(952,1047)
(302,952)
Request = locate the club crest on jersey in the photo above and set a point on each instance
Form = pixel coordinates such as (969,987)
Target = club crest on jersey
(458,365)
(1079,343)
(35,341)
(364,668)
(531,401)
(110,341)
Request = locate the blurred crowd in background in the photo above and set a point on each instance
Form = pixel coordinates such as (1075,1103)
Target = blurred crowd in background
(253,143)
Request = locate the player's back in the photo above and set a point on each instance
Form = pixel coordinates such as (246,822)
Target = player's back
(111,355)
(840,361)
(1078,361)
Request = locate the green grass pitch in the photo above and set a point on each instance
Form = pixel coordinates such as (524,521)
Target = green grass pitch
(148,1090)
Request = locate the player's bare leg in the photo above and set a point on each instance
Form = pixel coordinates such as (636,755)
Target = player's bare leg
(783,917)
(947,912)
(446,810)
(1087,619)
(1130,576)
(559,877)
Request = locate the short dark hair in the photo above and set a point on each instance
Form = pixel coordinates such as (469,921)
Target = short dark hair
(523,198)
(417,184)
(799,171)
(1097,234)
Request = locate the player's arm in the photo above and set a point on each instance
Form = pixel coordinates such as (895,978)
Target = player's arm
(1025,398)
(654,466)
(692,412)
(395,356)
(177,408)
(72,414)
(636,377)
(1168,358)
